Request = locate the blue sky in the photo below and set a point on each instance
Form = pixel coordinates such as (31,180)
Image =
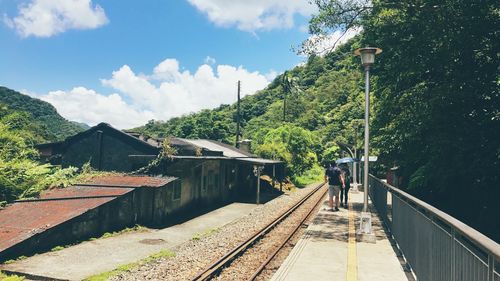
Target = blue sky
(125,62)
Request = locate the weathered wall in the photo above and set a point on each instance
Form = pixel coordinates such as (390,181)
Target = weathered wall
(108,152)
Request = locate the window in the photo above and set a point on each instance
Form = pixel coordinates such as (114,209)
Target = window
(176,195)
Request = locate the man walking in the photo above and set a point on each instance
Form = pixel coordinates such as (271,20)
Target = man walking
(335,180)
(347,184)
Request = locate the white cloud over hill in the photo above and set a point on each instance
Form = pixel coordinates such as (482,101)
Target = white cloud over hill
(45,18)
(165,93)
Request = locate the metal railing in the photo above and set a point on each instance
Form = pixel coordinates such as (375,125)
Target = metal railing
(435,245)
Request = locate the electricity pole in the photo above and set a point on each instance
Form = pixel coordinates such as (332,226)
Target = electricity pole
(238,117)
(286,87)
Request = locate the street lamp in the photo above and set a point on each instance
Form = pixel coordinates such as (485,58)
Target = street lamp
(367,55)
(355,163)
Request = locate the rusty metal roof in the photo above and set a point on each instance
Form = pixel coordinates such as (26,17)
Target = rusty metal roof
(83,192)
(129,181)
(21,220)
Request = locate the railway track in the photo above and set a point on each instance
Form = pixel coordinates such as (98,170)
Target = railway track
(263,246)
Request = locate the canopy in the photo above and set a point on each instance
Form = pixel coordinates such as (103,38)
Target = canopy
(346,160)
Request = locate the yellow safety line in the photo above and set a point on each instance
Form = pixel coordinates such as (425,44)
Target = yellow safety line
(352,263)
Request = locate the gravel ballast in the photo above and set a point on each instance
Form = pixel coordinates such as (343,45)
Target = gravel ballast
(195,255)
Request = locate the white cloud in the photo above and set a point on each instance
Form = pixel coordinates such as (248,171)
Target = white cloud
(210,60)
(45,18)
(179,92)
(323,44)
(166,93)
(253,15)
(87,106)
(271,75)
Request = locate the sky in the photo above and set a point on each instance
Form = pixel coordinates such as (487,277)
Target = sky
(126,62)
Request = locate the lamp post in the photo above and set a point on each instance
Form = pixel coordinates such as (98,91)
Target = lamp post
(367,55)
(355,164)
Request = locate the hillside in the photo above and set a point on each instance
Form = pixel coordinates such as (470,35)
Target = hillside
(53,126)
(440,126)
(326,95)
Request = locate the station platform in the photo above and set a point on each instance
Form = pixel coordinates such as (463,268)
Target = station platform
(329,251)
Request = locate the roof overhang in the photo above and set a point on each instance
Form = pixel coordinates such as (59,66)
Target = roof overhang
(259,161)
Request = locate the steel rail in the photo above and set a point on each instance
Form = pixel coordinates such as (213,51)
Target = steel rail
(271,257)
(215,267)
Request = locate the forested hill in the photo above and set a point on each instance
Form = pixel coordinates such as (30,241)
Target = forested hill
(324,100)
(51,126)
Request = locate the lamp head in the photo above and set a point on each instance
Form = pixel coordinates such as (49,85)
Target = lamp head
(367,55)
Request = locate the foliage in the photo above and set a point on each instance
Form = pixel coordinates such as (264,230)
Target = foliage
(57,248)
(291,144)
(44,119)
(330,154)
(135,228)
(5,277)
(21,175)
(167,150)
(323,97)
(436,99)
(166,155)
(313,175)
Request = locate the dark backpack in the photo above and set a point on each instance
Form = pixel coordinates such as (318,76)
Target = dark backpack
(333,174)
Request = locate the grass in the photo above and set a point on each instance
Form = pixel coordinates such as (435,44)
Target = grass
(315,174)
(57,248)
(105,235)
(18,259)
(127,267)
(136,228)
(5,277)
(198,236)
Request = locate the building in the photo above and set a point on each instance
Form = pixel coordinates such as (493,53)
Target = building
(202,174)
(105,204)
(212,172)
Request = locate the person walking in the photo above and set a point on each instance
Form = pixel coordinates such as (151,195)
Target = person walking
(345,191)
(335,181)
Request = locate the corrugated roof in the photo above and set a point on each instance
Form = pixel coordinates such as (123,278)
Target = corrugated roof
(130,181)
(259,161)
(227,151)
(22,220)
(83,191)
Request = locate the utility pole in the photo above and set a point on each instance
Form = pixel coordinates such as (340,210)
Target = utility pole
(238,117)
(286,87)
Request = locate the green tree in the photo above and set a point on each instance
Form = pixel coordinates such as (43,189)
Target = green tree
(436,96)
(292,144)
